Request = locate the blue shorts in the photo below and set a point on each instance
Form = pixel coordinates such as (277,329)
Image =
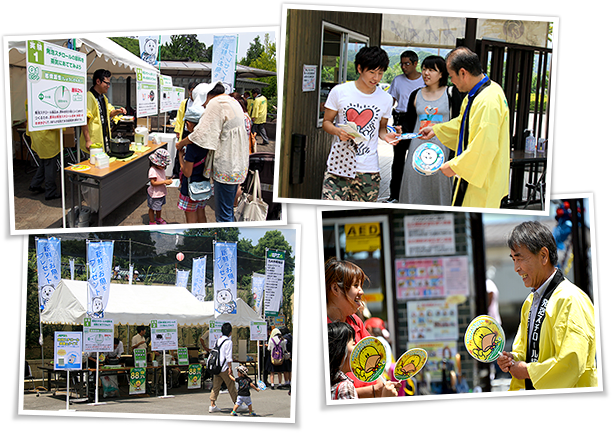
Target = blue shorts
(156,203)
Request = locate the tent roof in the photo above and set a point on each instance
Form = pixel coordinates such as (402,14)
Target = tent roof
(102,53)
(128,305)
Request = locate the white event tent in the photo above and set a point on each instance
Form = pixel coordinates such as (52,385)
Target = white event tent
(138,305)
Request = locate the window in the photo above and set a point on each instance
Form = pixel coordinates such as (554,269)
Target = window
(338,49)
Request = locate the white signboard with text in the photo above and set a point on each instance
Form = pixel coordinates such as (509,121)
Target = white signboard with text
(164,335)
(146,93)
(56,86)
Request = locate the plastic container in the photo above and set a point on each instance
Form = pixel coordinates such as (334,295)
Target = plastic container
(93,152)
(530,143)
(141,135)
(102,160)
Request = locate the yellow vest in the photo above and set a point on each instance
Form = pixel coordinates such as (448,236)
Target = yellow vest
(567,342)
(179,124)
(94,121)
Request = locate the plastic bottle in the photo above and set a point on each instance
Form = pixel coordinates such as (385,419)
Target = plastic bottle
(530,143)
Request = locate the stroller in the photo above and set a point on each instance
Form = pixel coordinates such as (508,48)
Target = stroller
(264,163)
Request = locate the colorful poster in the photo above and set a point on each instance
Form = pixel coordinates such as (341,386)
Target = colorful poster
(225,276)
(164,335)
(140,357)
(67,350)
(224,60)
(48,258)
(275,273)
(259,331)
(258,282)
(146,93)
(214,332)
(429,235)
(56,86)
(182,278)
(183,356)
(100,263)
(98,335)
(436,352)
(171,96)
(432,321)
(194,376)
(138,380)
(431,277)
(198,278)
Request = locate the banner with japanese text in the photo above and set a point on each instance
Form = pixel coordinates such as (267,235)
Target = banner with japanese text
(224,60)
(257,289)
(56,86)
(164,335)
(275,272)
(48,258)
(182,278)
(98,335)
(100,264)
(225,277)
(198,278)
(67,350)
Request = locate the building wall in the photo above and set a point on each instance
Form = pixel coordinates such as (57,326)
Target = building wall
(303,47)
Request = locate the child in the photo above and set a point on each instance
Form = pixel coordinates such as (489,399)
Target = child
(341,341)
(244,390)
(353,173)
(156,193)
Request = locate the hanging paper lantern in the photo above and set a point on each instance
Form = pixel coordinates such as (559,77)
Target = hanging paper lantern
(180,256)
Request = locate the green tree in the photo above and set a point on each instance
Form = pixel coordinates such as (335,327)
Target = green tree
(255,50)
(186,47)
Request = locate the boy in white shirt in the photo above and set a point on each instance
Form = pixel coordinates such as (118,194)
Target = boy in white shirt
(352,169)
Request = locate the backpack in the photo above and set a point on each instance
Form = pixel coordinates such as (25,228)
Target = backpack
(277,353)
(213,364)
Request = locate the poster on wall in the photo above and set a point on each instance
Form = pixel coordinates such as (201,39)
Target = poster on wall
(164,335)
(56,86)
(146,93)
(431,277)
(259,331)
(432,320)
(437,351)
(309,78)
(429,235)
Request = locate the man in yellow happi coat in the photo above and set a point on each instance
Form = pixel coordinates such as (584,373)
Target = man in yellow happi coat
(99,112)
(555,343)
(480,135)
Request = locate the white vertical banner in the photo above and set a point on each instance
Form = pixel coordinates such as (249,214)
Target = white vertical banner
(72,269)
(257,288)
(48,257)
(224,60)
(275,272)
(100,265)
(182,277)
(225,277)
(131,275)
(198,278)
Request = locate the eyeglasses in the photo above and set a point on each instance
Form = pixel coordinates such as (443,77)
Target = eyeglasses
(107,83)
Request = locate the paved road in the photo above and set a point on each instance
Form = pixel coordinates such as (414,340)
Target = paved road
(267,404)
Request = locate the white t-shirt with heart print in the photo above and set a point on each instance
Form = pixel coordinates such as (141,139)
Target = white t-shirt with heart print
(366,111)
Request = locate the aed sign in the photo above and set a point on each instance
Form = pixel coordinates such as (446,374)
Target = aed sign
(362,237)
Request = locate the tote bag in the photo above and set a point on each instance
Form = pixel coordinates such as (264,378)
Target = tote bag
(251,207)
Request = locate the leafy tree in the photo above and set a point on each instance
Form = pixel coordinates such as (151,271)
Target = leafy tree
(255,50)
(186,47)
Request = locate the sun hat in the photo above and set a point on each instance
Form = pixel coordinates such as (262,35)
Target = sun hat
(160,157)
(242,369)
(193,113)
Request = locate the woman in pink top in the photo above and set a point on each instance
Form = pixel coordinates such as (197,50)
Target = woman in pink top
(156,193)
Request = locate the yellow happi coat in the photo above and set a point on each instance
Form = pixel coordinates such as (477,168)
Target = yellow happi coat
(567,342)
(485,164)
(94,121)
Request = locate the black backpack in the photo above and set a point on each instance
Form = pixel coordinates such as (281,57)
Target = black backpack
(213,364)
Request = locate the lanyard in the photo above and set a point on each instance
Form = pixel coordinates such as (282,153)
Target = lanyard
(471,97)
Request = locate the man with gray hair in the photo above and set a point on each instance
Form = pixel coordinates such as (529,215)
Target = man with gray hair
(555,345)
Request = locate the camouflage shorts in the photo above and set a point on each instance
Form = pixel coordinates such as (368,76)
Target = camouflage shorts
(364,187)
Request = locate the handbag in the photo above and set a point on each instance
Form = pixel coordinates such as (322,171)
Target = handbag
(199,191)
(251,207)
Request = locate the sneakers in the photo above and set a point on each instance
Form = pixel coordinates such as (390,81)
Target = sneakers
(253,414)
(152,223)
(234,413)
(212,409)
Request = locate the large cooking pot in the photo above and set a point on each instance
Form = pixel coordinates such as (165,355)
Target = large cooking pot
(119,145)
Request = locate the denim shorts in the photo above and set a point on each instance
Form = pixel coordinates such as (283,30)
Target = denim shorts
(156,203)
